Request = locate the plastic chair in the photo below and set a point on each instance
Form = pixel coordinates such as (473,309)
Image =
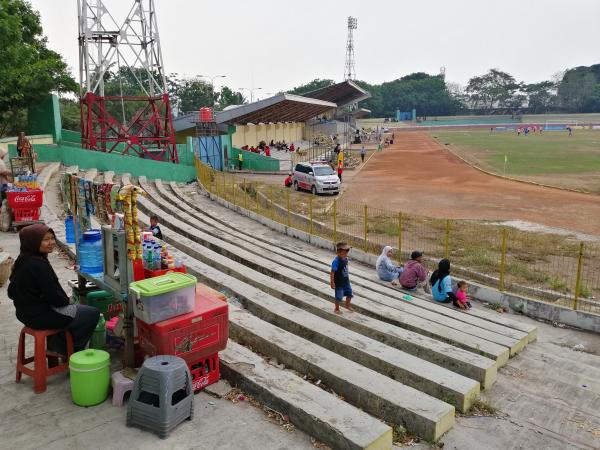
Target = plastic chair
(121,385)
(45,363)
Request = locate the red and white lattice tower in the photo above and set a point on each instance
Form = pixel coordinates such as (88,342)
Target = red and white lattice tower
(109,53)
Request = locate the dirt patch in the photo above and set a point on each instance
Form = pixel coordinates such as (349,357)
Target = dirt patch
(417,175)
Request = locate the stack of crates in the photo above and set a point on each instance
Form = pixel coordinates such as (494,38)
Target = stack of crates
(197,337)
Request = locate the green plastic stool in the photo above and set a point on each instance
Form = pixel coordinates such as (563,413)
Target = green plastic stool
(90,376)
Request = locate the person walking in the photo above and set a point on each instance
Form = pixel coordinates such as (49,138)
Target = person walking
(240,160)
(362,153)
(40,301)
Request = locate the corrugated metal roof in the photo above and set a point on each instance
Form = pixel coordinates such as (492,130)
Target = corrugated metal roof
(342,94)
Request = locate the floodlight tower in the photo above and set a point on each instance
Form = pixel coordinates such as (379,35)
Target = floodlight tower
(138,118)
(350,70)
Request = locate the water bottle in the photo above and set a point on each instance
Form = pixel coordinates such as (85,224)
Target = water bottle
(91,253)
(70,230)
(98,339)
(156,256)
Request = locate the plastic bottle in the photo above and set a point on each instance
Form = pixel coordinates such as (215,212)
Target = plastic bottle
(178,263)
(156,257)
(99,336)
(70,230)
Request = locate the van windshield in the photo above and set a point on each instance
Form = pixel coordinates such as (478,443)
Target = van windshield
(323,170)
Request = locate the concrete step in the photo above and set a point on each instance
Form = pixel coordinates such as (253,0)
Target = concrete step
(396,317)
(413,371)
(310,408)
(466,363)
(374,393)
(220,218)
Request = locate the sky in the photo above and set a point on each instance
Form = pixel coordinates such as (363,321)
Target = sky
(275,45)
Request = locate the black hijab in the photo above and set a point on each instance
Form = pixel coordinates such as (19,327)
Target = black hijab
(31,238)
(442,271)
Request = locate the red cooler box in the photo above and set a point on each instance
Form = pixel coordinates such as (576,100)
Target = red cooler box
(191,336)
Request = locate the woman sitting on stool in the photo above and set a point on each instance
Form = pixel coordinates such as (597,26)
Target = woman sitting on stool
(39,299)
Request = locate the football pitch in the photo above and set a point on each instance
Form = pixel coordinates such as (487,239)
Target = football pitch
(553,157)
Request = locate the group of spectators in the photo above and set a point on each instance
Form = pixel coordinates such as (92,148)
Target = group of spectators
(413,275)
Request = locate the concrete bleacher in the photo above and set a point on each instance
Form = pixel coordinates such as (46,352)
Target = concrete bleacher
(407,362)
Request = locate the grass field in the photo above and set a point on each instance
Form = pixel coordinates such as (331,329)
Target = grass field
(552,158)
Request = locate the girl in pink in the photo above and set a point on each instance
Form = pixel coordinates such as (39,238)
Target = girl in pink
(461,295)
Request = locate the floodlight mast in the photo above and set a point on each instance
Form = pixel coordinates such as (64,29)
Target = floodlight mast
(350,70)
(133,49)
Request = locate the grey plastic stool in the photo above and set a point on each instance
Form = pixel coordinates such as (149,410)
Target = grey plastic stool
(162,395)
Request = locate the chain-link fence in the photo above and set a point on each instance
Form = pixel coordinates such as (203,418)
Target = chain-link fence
(549,267)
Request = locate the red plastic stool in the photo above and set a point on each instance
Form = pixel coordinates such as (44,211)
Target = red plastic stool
(41,357)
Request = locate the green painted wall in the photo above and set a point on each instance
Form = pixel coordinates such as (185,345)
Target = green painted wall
(254,161)
(71,155)
(44,118)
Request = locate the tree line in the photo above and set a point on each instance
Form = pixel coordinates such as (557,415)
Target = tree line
(576,90)
(29,71)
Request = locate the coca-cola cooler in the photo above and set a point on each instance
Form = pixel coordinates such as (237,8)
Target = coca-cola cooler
(197,337)
(26,205)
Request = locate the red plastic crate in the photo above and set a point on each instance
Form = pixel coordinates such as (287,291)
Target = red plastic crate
(157,273)
(190,336)
(205,371)
(25,200)
(26,214)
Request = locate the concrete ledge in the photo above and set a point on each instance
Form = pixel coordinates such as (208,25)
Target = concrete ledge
(314,411)
(540,310)
(375,393)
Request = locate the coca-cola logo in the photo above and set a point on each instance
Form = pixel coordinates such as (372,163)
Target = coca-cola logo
(25,198)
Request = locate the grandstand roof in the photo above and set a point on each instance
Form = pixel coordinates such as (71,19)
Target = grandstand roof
(280,108)
(342,94)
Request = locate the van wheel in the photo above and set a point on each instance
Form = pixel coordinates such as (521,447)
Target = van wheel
(296,187)
(313,190)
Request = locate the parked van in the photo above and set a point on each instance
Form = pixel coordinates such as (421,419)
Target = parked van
(319,178)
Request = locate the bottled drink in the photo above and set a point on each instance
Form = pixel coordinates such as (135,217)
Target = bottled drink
(99,336)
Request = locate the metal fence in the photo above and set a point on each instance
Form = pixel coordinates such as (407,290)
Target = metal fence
(548,267)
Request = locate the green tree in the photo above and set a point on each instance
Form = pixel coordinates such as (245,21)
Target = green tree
(541,96)
(28,69)
(315,84)
(576,88)
(70,114)
(493,89)
(227,97)
(190,94)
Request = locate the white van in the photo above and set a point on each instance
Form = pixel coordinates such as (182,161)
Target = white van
(316,177)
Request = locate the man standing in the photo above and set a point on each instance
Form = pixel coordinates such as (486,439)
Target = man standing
(362,153)
(240,160)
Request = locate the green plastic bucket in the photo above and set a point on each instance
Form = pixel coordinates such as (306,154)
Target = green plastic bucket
(90,376)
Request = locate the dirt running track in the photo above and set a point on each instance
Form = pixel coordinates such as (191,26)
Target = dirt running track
(419,175)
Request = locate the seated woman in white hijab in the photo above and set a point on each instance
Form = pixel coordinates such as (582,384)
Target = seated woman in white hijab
(386,269)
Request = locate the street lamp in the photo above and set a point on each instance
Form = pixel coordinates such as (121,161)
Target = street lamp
(212,85)
(251,90)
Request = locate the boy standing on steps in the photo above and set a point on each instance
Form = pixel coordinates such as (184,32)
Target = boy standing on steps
(339,277)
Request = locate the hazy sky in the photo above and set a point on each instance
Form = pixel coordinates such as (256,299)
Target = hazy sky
(276,44)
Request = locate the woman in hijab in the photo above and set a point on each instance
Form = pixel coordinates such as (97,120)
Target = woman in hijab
(441,283)
(386,269)
(39,299)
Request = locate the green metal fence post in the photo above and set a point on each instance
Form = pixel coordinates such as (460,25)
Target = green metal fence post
(289,213)
(366,228)
(399,236)
(334,221)
(272,202)
(579,272)
(502,262)
(447,239)
(310,214)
